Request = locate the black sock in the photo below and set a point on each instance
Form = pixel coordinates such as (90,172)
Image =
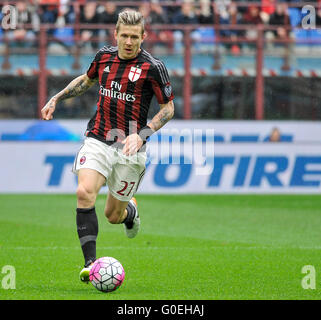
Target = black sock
(130,215)
(87,228)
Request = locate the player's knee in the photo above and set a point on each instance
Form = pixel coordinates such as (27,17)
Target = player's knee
(85,195)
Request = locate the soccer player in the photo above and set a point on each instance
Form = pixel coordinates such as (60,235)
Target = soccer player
(113,152)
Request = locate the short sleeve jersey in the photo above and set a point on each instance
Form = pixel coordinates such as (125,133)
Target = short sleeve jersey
(126,88)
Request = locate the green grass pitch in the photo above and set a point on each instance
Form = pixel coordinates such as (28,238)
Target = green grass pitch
(199,247)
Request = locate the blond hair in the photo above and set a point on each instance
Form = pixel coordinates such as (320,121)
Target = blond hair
(130,17)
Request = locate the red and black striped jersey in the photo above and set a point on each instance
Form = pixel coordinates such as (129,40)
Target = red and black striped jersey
(125,93)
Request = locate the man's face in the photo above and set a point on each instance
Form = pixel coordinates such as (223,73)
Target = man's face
(129,39)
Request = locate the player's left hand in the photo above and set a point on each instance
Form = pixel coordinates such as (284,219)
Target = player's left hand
(132,144)
(48,110)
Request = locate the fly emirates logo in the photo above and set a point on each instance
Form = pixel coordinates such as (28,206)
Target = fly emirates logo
(115,92)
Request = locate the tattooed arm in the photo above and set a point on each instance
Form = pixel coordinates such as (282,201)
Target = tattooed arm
(165,114)
(75,88)
(135,141)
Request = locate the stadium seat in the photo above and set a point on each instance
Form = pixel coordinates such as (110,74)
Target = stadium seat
(206,35)
(295,20)
(203,37)
(315,35)
(301,35)
(295,16)
(65,35)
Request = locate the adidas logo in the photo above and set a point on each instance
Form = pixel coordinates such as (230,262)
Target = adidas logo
(107,69)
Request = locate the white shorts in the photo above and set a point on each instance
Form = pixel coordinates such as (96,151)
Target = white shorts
(123,173)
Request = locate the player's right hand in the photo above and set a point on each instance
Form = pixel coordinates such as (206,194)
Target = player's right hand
(48,110)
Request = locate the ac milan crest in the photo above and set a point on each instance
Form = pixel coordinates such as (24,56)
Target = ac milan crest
(82,160)
(134,74)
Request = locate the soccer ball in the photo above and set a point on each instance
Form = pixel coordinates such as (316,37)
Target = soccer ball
(106,274)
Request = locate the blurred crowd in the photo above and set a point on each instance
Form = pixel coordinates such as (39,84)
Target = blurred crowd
(63,15)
